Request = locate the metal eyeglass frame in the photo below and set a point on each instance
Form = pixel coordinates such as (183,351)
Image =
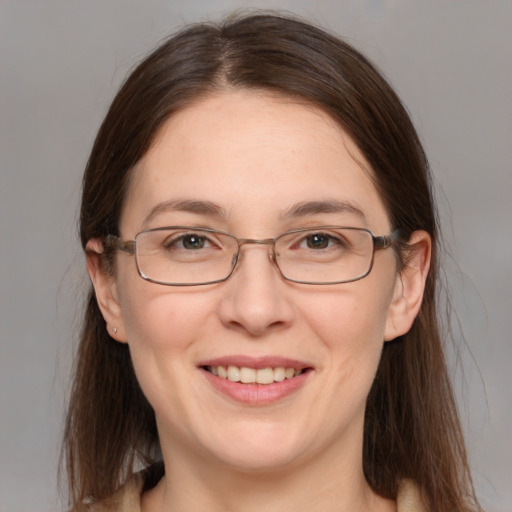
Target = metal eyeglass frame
(130,247)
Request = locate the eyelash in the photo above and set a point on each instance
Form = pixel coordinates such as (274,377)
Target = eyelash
(173,242)
(331,240)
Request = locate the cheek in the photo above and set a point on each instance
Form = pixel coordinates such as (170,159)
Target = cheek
(348,318)
(350,325)
(160,325)
(162,330)
(157,316)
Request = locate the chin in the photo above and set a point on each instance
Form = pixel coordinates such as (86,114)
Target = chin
(267,449)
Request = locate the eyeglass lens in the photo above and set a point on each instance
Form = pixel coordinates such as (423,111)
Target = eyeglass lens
(189,256)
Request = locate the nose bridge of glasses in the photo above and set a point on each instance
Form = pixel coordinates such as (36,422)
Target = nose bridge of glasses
(254,241)
(264,241)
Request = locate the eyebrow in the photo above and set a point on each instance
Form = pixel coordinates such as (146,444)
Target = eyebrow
(317,207)
(186,205)
(302,209)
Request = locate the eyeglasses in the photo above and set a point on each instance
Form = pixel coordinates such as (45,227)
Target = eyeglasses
(188,256)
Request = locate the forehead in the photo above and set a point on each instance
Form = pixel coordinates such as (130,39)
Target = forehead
(253,152)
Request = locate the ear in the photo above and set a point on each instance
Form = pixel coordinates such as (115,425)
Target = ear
(409,286)
(105,287)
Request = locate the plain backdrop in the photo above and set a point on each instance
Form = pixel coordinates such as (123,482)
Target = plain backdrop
(60,65)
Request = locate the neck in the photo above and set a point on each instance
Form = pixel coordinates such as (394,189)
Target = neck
(327,483)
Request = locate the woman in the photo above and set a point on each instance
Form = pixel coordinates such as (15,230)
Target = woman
(262,243)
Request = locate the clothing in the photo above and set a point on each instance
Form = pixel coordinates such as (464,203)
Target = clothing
(128,497)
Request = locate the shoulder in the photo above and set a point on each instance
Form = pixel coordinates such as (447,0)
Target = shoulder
(409,498)
(125,499)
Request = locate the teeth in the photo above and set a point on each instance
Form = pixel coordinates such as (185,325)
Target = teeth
(253,376)
(279,374)
(247,375)
(234,373)
(265,376)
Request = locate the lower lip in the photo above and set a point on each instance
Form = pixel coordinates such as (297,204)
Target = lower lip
(257,394)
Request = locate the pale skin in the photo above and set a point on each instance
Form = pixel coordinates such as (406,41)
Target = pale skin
(256,157)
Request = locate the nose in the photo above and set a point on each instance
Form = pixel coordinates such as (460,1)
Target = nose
(257,298)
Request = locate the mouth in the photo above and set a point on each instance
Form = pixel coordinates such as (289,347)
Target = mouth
(247,375)
(256,381)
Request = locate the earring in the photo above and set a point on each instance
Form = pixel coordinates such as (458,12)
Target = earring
(114,329)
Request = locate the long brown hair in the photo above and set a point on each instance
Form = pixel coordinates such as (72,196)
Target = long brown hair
(411,427)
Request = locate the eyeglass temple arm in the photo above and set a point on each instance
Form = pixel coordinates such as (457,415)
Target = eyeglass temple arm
(385,241)
(114,242)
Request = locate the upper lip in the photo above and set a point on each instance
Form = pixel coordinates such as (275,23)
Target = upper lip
(256,362)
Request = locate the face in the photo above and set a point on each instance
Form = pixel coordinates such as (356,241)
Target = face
(255,157)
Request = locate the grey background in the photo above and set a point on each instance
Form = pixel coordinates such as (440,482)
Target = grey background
(60,64)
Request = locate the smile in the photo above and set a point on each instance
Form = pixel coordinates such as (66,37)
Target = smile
(247,375)
(256,381)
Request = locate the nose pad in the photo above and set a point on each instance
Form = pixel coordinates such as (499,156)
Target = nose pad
(273,257)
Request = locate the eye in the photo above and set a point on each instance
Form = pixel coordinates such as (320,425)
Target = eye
(188,241)
(194,241)
(317,241)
